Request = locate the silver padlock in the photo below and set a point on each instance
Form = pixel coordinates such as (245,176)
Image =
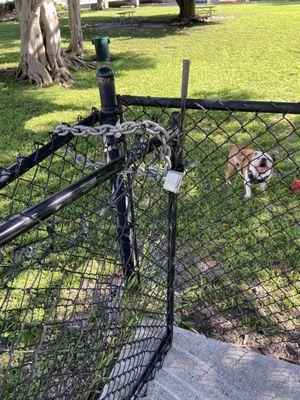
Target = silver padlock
(173,181)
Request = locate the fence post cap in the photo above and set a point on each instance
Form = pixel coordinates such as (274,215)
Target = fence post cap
(105,72)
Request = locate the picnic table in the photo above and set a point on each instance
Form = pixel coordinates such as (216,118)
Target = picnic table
(205,12)
(126,15)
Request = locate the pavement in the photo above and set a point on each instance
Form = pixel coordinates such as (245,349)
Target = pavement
(199,368)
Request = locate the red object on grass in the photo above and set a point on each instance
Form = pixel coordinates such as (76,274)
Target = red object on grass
(296,185)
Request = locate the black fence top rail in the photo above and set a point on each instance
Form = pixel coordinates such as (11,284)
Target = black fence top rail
(8,175)
(217,105)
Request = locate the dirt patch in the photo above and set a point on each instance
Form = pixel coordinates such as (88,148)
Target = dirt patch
(253,317)
(208,320)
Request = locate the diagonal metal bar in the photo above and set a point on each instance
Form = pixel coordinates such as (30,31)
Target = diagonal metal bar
(11,173)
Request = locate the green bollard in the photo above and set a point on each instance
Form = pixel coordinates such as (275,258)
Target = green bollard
(102,48)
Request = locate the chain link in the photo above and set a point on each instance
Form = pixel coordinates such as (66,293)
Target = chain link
(126,128)
(83,161)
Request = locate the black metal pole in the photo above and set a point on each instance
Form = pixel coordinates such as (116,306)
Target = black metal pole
(177,165)
(109,115)
(176,123)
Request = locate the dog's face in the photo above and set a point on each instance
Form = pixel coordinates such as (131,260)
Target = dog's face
(261,165)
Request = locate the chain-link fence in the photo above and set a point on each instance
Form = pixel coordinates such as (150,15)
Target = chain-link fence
(237,258)
(86,294)
(88,232)
(80,317)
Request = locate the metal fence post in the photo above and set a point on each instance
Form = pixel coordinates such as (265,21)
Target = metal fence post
(177,165)
(176,123)
(109,115)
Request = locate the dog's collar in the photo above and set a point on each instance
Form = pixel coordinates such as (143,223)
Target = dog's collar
(255,180)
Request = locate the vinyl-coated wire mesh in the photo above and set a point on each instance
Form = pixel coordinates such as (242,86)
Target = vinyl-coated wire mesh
(237,259)
(71,325)
(61,168)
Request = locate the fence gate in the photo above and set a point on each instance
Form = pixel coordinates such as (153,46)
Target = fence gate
(87,250)
(88,254)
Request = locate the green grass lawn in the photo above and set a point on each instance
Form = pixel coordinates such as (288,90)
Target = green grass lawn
(238,260)
(252,52)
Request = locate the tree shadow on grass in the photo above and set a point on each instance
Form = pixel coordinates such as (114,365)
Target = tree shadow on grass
(226,94)
(22,102)
(121,63)
(9,57)
(143,27)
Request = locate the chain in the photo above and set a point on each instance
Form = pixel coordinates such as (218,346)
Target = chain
(83,161)
(129,127)
(126,128)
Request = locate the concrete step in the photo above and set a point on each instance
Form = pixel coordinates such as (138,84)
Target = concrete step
(132,357)
(183,377)
(160,393)
(199,368)
(177,389)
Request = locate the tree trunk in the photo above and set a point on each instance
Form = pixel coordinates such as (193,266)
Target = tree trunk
(41,55)
(187,9)
(76,41)
(100,5)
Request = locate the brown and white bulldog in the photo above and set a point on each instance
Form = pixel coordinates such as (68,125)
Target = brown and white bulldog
(253,166)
